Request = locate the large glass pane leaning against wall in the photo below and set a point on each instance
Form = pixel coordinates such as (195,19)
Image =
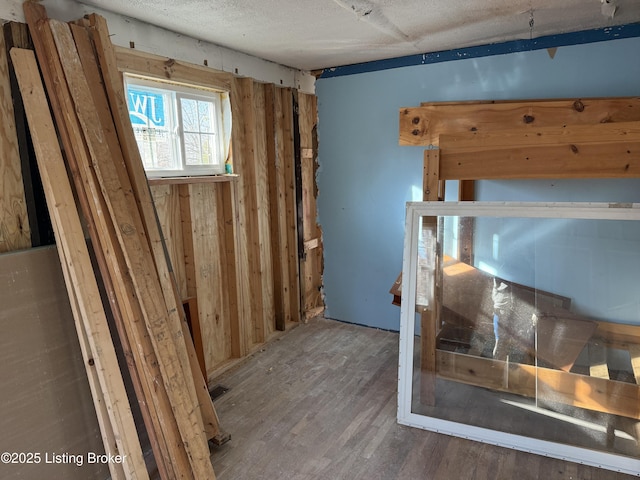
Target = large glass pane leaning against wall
(537,330)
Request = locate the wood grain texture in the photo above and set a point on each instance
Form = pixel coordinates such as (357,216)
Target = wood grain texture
(423,125)
(166,199)
(323,407)
(291,215)
(107,159)
(199,398)
(15,232)
(575,160)
(71,240)
(311,263)
(216,335)
(148,64)
(75,149)
(275,151)
(245,263)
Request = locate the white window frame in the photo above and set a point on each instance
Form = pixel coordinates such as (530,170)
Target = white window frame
(415,211)
(180,91)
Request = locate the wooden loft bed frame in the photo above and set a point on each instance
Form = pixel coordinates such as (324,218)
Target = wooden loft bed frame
(525,139)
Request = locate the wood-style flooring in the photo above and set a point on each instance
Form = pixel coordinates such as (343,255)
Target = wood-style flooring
(320,403)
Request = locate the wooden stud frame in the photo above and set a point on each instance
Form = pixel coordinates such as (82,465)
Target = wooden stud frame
(416,210)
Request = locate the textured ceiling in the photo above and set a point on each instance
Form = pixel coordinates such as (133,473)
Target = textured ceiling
(316,34)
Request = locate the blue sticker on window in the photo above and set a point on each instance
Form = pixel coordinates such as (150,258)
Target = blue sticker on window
(145,108)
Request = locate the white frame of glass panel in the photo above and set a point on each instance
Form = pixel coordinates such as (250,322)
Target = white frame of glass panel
(416,210)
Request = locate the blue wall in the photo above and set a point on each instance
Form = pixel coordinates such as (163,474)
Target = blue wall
(365,178)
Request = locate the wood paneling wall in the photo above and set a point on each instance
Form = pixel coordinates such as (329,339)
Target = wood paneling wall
(233,240)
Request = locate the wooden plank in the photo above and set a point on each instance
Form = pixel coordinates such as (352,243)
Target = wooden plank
(586,160)
(634,353)
(598,394)
(273,113)
(311,263)
(130,234)
(244,162)
(311,244)
(186,229)
(193,319)
(244,257)
(423,125)
(432,176)
(290,196)
(227,218)
(15,232)
(191,180)
(166,199)
(161,424)
(561,134)
(619,333)
(148,64)
(429,316)
(597,359)
(17,35)
(466,225)
(71,241)
(70,133)
(204,411)
(216,335)
(299,209)
(262,138)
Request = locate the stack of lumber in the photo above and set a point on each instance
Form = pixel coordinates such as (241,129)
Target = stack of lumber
(110,200)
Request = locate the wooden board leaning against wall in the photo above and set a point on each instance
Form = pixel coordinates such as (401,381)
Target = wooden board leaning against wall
(233,239)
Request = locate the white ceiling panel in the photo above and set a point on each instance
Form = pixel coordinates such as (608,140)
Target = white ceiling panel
(316,34)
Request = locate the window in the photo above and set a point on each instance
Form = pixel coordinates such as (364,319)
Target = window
(180,130)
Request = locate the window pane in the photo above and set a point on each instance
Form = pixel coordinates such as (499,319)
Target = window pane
(536,331)
(189,114)
(192,152)
(207,149)
(198,125)
(206,115)
(149,111)
(156,148)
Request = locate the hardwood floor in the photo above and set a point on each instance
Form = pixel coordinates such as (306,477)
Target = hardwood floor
(320,403)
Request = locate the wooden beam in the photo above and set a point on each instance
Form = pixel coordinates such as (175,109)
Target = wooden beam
(15,232)
(85,295)
(561,134)
(588,160)
(597,359)
(227,223)
(169,69)
(76,153)
(275,152)
(311,262)
(634,353)
(423,125)
(174,362)
(598,394)
(244,162)
(429,316)
(204,411)
(262,139)
(290,196)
